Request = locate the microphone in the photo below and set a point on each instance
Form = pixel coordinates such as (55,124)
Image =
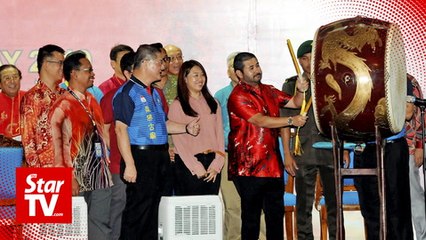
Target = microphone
(420,102)
(417,101)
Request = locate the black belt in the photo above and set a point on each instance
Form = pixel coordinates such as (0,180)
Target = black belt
(151,147)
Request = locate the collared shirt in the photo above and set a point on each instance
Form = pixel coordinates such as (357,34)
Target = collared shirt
(35,128)
(73,137)
(253,150)
(170,88)
(222,96)
(108,114)
(414,127)
(110,84)
(142,111)
(9,115)
(309,133)
(95,91)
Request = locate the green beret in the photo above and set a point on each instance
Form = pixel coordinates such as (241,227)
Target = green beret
(305,47)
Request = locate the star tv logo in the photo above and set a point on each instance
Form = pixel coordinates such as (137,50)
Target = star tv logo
(43,195)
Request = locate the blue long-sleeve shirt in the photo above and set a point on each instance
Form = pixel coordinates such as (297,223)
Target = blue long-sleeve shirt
(222,96)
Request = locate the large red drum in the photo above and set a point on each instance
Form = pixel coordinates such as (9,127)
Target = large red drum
(359,78)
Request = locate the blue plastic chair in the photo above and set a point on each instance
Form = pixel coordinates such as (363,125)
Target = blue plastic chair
(10,159)
(289,199)
(350,200)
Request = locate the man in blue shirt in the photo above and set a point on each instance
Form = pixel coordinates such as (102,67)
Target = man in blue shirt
(142,128)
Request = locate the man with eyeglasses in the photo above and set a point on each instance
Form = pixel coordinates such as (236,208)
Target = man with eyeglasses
(10,98)
(142,128)
(164,75)
(36,104)
(79,142)
(176,60)
(94,90)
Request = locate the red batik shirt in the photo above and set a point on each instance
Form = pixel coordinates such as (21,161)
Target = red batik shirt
(35,129)
(72,138)
(253,150)
(9,114)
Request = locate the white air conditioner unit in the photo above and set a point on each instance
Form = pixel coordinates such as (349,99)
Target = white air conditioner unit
(77,230)
(190,218)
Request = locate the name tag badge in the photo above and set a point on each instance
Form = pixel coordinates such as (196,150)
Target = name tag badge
(98,149)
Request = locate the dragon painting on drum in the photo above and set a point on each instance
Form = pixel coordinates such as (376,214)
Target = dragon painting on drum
(358,78)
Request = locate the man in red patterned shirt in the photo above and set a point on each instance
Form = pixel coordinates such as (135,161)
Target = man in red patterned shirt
(78,141)
(36,104)
(255,164)
(10,97)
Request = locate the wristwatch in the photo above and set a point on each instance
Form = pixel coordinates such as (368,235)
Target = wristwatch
(290,121)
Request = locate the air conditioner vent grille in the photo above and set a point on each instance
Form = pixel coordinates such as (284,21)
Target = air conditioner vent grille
(195,220)
(190,218)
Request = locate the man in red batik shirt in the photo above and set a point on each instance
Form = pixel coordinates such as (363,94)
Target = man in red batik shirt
(79,142)
(255,164)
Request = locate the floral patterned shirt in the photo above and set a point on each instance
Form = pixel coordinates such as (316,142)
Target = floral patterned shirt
(35,129)
(170,88)
(252,150)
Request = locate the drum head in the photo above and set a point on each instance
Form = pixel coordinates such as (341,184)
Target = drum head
(395,79)
(358,78)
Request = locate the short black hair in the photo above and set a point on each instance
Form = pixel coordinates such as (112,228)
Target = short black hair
(72,62)
(240,58)
(47,51)
(118,48)
(127,62)
(157,45)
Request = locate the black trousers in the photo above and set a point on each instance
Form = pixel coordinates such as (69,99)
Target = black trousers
(140,215)
(187,184)
(398,204)
(258,193)
(306,177)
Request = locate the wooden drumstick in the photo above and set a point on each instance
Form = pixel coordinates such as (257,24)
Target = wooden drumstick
(308,105)
(294,59)
(305,107)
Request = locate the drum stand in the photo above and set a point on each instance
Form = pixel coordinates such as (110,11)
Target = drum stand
(340,172)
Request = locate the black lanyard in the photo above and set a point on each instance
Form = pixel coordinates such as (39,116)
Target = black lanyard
(84,107)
